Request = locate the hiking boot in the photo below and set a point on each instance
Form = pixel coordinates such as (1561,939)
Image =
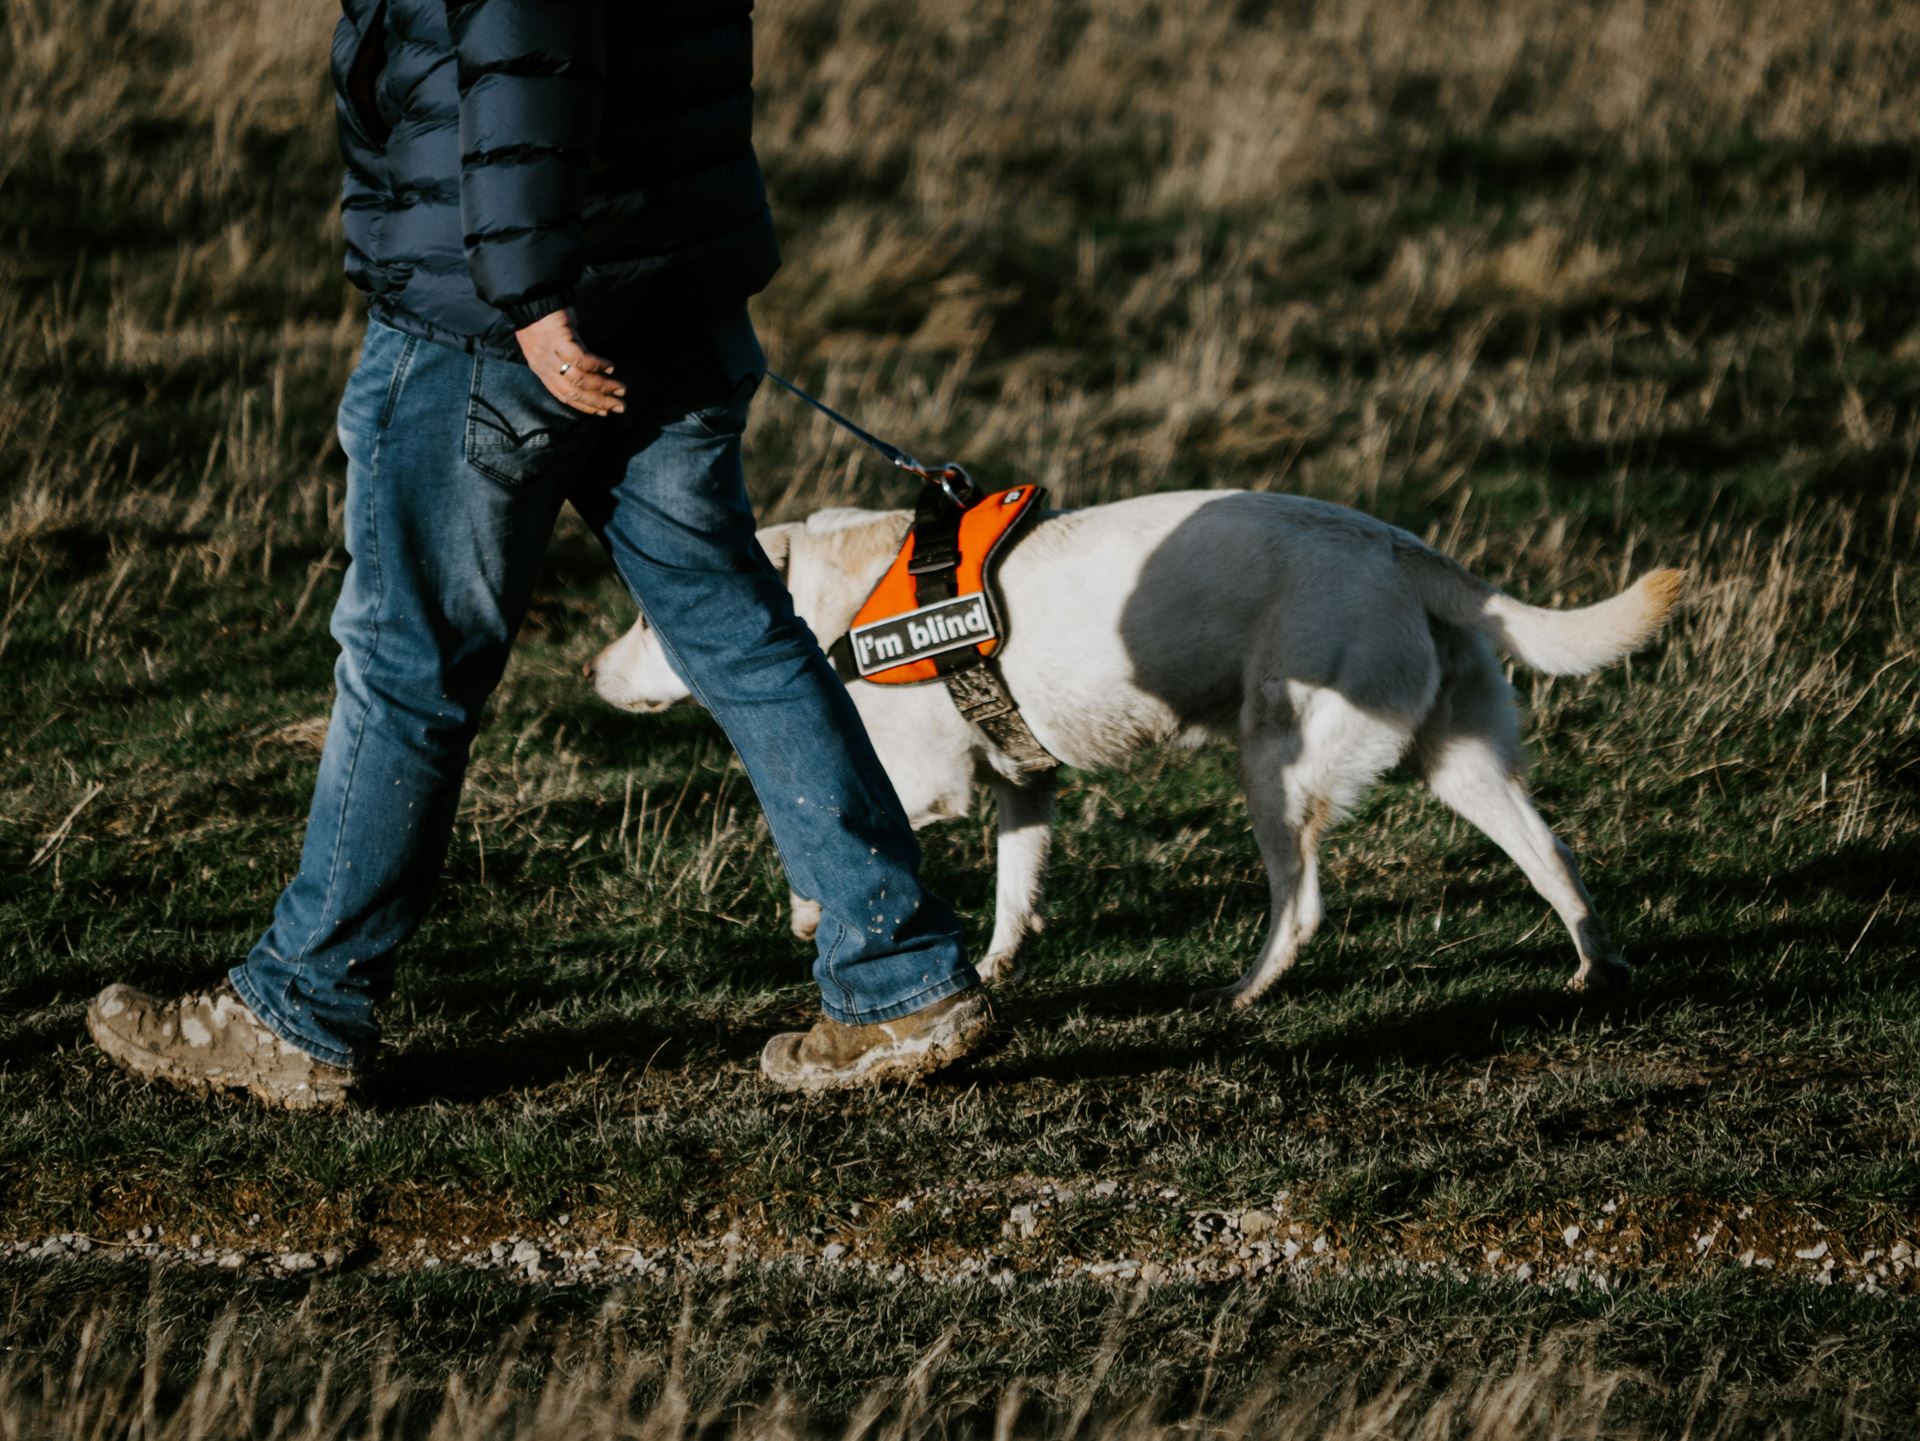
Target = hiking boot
(832,1056)
(211,1041)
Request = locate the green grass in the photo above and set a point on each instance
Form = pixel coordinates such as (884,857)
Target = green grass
(1473,290)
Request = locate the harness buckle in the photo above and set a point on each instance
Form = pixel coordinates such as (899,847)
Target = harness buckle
(958,485)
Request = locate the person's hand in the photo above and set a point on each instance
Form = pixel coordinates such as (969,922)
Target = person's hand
(574,375)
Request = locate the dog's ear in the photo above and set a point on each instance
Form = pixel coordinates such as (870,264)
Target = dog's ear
(777,542)
(840,517)
(859,542)
(833,566)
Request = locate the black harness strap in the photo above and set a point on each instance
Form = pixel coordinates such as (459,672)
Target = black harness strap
(935,566)
(974,681)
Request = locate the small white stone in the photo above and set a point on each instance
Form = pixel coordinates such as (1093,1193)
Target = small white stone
(833,1252)
(1812,1253)
(1257,1223)
(1570,1235)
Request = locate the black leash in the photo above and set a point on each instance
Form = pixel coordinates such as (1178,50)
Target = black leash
(951,478)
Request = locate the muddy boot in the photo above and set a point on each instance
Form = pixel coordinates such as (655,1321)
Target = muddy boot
(832,1056)
(211,1041)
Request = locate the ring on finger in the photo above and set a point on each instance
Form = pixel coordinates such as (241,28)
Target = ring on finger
(565,366)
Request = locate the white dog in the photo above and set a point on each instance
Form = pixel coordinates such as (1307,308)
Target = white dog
(1329,643)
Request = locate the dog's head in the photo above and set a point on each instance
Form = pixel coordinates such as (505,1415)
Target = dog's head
(635,672)
(829,561)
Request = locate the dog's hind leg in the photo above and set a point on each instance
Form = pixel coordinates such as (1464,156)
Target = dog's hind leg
(1469,751)
(1020,864)
(1301,777)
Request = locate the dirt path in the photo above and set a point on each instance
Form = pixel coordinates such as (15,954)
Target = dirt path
(1048,1231)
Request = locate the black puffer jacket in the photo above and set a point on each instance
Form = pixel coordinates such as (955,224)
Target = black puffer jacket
(506,158)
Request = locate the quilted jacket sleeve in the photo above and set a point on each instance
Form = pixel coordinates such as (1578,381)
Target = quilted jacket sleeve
(531,74)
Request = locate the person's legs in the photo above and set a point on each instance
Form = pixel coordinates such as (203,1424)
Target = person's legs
(680,529)
(453,483)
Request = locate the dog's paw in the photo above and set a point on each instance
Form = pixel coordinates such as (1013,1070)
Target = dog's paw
(1001,970)
(804,920)
(1219,998)
(1612,976)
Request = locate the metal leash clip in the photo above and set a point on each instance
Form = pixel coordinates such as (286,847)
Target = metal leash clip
(958,485)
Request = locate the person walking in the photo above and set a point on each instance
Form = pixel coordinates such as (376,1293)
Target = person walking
(556,211)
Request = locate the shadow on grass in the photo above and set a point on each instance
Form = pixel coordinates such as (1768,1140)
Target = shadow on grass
(1454,1030)
(667,1041)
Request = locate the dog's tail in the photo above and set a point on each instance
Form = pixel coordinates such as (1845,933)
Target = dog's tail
(1555,642)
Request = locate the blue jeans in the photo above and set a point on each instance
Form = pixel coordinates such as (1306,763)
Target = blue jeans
(457,468)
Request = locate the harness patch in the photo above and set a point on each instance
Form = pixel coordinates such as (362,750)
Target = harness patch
(929,631)
(934,613)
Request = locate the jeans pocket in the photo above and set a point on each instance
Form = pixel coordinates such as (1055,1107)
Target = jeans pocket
(518,432)
(728,417)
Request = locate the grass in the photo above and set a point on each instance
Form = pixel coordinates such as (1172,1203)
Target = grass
(458,1355)
(1572,290)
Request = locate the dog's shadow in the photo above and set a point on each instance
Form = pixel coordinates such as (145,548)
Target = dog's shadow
(1459,1030)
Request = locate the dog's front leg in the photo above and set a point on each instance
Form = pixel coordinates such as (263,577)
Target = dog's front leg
(1025,838)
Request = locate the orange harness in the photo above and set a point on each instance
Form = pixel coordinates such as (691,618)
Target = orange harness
(925,610)
(934,615)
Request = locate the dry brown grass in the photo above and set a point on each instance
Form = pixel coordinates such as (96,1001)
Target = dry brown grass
(277,1389)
